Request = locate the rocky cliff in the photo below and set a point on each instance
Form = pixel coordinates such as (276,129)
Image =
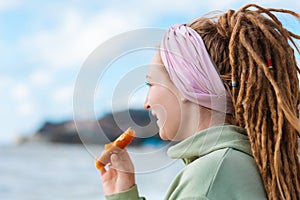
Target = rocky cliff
(100,131)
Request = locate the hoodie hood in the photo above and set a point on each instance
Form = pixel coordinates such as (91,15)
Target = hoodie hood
(209,140)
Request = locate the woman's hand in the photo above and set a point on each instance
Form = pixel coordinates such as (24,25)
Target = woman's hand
(120,174)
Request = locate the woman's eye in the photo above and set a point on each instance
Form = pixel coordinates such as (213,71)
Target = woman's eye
(148,84)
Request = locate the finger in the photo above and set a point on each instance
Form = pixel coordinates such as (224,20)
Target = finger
(109,174)
(102,171)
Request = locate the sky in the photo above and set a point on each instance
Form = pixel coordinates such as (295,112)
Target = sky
(46,45)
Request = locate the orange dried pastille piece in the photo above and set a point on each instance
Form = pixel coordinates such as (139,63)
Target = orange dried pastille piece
(120,143)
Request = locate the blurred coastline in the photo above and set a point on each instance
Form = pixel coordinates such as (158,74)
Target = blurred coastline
(98,131)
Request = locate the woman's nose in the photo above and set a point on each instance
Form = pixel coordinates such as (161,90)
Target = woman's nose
(146,103)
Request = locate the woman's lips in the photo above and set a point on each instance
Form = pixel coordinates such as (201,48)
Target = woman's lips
(155,116)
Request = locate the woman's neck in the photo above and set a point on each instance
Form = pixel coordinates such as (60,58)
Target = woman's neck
(202,118)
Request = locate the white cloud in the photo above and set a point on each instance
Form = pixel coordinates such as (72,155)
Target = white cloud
(63,95)
(61,102)
(75,37)
(198,8)
(41,77)
(18,100)
(5,82)
(9,4)
(77,34)
(153,9)
(20,92)
(23,99)
(26,108)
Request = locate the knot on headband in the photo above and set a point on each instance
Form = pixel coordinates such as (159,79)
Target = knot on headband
(191,69)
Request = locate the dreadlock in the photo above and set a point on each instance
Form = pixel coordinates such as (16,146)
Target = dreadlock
(252,49)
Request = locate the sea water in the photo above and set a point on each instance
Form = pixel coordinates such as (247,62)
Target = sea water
(43,171)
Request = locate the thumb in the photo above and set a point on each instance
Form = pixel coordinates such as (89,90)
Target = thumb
(122,162)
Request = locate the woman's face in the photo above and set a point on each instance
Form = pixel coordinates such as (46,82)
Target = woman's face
(163,99)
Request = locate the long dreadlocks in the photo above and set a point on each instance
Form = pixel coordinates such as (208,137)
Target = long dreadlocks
(255,56)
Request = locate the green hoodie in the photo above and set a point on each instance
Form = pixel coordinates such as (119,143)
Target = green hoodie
(219,165)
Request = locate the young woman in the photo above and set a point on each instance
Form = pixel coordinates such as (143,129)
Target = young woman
(228,91)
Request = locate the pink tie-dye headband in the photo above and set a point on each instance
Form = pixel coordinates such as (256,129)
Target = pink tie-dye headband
(191,69)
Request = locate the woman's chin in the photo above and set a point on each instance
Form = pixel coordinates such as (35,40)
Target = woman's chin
(163,135)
